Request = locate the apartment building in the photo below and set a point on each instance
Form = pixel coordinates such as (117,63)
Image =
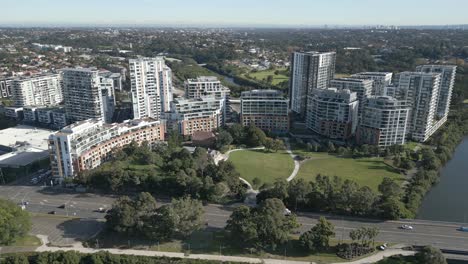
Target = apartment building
(266,109)
(421,92)
(87,144)
(384,122)
(333,113)
(5,88)
(381,80)
(40,90)
(151,86)
(107,85)
(82,94)
(447,82)
(206,86)
(309,71)
(202,114)
(362,88)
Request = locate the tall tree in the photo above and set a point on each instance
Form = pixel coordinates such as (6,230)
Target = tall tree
(188,214)
(14,222)
(318,238)
(431,255)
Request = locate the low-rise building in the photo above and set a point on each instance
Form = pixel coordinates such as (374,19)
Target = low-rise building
(87,144)
(384,122)
(14,112)
(266,109)
(333,113)
(202,114)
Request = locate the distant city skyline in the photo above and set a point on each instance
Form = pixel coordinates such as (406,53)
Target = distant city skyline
(233,13)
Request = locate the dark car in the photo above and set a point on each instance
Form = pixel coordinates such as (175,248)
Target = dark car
(52,212)
(62,206)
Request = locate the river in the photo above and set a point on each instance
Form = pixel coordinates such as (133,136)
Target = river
(448,200)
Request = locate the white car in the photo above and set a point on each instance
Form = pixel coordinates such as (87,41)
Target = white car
(287,212)
(406,227)
(383,247)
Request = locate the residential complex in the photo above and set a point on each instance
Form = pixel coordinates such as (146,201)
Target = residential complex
(421,95)
(362,88)
(448,73)
(381,80)
(40,90)
(151,86)
(333,113)
(384,122)
(266,109)
(202,114)
(309,71)
(87,144)
(5,88)
(206,86)
(82,94)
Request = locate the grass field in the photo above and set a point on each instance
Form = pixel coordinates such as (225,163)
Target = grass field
(263,75)
(27,241)
(267,166)
(366,171)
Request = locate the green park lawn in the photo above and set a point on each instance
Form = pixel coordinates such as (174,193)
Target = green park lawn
(27,241)
(267,166)
(366,171)
(263,75)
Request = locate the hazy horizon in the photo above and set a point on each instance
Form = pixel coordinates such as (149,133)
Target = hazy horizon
(240,13)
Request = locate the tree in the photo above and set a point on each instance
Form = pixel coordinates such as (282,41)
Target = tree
(122,218)
(242,228)
(254,136)
(188,215)
(431,255)
(161,225)
(269,143)
(330,147)
(224,138)
(14,222)
(318,238)
(238,133)
(278,145)
(174,140)
(16,259)
(389,188)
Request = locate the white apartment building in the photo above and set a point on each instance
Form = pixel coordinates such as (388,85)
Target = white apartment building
(87,144)
(384,122)
(151,85)
(362,88)
(41,90)
(381,80)
(108,96)
(333,113)
(448,74)
(202,114)
(266,109)
(309,71)
(5,88)
(82,94)
(206,86)
(421,94)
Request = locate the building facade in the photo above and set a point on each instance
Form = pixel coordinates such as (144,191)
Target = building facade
(381,80)
(5,88)
(309,71)
(447,82)
(41,90)
(266,109)
(206,86)
(82,94)
(421,92)
(362,88)
(202,114)
(333,113)
(384,122)
(87,144)
(151,86)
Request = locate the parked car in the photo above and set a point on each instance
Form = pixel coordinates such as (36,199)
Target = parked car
(463,229)
(383,247)
(52,212)
(287,212)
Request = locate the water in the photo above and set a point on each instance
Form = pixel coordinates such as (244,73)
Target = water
(448,200)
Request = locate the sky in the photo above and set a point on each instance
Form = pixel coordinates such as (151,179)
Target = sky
(233,12)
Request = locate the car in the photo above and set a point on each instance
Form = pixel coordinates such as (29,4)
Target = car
(406,227)
(383,247)
(52,212)
(62,206)
(463,229)
(101,210)
(287,212)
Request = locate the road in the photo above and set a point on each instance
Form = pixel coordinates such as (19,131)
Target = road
(439,234)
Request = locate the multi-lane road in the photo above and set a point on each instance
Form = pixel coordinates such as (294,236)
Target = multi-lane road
(85,205)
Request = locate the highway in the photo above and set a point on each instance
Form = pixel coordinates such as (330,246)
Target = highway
(85,205)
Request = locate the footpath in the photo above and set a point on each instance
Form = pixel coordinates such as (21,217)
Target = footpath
(79,248)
